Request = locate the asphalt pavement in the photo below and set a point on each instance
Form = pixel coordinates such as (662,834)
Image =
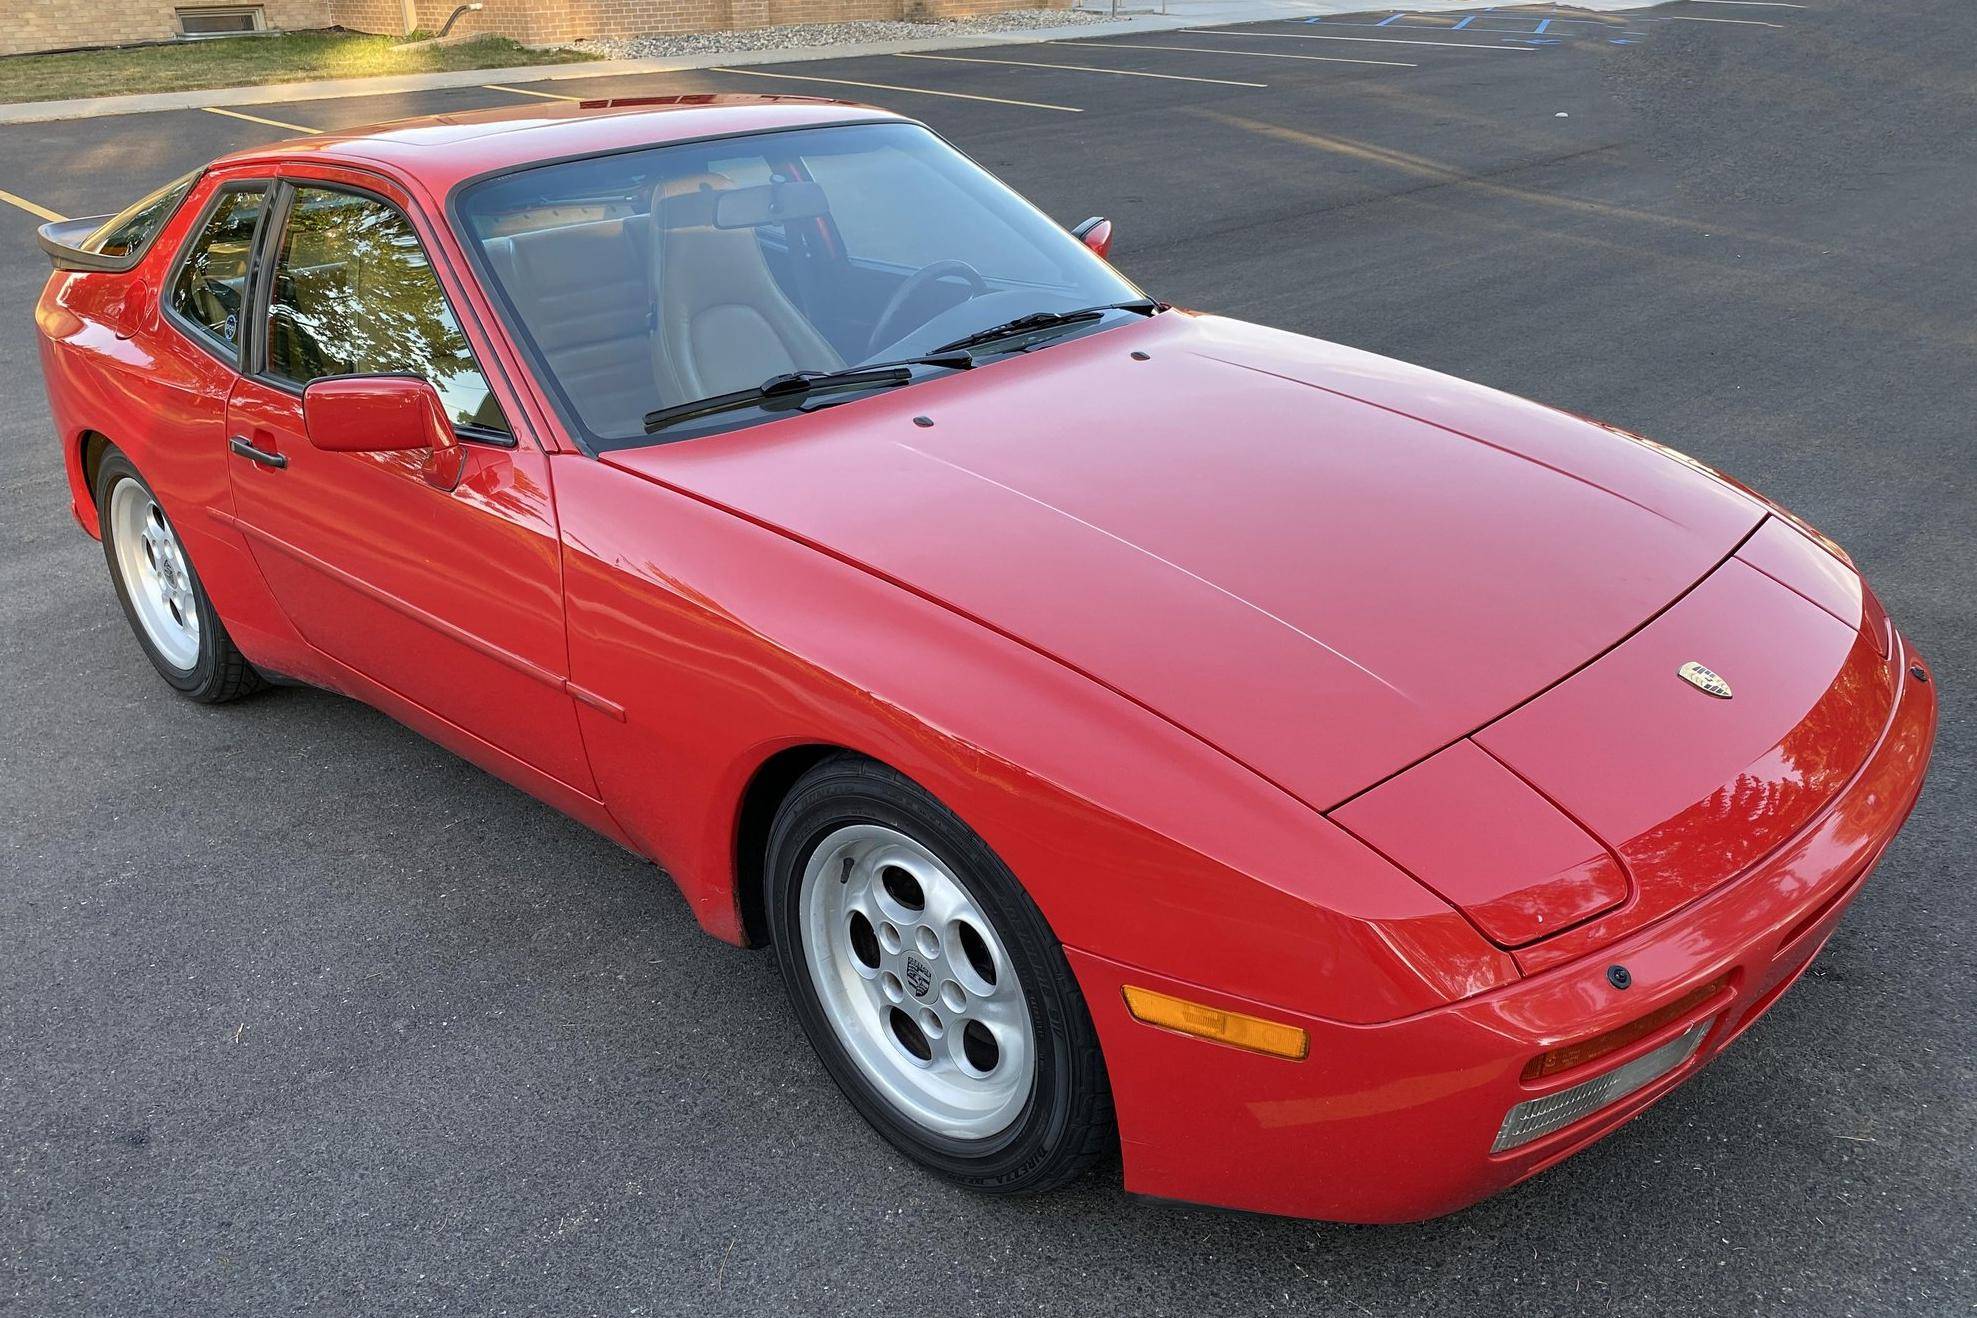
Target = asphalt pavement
(300,1014)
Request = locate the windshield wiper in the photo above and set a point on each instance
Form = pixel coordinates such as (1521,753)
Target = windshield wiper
(1039,320)
(797,385)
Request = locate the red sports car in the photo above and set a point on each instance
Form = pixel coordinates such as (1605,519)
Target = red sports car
(1340,790)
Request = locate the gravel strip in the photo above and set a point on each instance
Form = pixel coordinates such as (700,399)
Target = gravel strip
(832,34)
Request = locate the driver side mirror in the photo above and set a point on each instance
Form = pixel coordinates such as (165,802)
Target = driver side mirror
(383,414)
(1095,233)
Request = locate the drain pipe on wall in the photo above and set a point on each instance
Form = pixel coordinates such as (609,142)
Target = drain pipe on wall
(454,17)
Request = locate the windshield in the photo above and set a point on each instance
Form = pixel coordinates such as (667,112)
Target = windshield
(650,280)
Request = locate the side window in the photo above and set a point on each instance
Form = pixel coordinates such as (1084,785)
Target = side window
(212,279)
(354,294)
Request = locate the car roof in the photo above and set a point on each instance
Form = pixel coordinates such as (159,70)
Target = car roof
(440,150)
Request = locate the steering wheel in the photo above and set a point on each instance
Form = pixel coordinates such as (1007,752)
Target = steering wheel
(883,333)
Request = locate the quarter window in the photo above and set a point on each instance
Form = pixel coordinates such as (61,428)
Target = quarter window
(354,294)
(212,279)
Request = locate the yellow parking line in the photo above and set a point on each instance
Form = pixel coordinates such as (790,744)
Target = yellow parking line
(1379,41)
(1081,68)
(257,119)
(524,91)
(40,211)
(1239,54)
(892,87)
(1437,172)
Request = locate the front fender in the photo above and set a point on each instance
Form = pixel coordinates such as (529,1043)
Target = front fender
(714,642)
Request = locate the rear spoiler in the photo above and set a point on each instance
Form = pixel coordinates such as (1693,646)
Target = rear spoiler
(63,241)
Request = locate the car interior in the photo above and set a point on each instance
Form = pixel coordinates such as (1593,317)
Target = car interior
(212,280)
(702,271)
(707,309)
(719,320)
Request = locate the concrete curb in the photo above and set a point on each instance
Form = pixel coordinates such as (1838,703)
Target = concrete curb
(1198,13)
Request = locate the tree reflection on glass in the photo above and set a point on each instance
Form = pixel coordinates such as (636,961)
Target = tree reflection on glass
(355,295)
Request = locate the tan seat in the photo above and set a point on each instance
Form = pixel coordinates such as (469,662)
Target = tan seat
(585,292)
(724,324)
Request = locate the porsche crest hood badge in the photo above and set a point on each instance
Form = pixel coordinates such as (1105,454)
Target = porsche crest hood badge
(1704,680)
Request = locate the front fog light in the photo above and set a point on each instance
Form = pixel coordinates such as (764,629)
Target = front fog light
(1537,1117)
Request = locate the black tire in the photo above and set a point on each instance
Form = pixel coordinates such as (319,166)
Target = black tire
(1067,1124)
(219,672)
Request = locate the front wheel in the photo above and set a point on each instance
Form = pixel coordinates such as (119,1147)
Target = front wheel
(161,594)
(930,985)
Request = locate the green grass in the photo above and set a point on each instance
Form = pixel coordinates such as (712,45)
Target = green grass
(249,61)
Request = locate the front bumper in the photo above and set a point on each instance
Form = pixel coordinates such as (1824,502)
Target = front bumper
(1395,1122)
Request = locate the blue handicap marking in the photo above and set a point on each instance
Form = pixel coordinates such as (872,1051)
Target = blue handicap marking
(1512,32)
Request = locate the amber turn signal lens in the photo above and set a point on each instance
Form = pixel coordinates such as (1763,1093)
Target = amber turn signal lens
(1230,1027)
(1587,1050)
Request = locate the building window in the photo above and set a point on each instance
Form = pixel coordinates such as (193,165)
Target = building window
(221,22)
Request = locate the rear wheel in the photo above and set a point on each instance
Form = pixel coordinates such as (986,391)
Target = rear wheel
(930,985)
(160,592)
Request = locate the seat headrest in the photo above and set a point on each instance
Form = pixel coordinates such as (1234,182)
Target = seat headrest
(688,202)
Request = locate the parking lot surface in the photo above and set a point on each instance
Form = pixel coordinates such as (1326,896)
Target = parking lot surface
(300,1014)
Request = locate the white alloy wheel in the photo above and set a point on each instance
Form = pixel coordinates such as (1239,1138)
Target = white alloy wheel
(915,983)
(155,574)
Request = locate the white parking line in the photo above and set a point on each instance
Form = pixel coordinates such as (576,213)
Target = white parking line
(1742,22)
(1079,68)
(1520,11)
(525,91)
(257,119)
(894,87)
(1237,54)
(40,212)
(1378,41)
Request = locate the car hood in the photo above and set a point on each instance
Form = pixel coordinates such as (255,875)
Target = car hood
(1325,563)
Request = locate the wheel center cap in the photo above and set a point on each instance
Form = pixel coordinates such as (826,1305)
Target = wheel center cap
(918,977)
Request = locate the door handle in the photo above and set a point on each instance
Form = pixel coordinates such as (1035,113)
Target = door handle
(245,448)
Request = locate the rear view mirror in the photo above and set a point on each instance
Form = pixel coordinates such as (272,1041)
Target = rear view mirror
(771,203)
(1095,233)
(383,414)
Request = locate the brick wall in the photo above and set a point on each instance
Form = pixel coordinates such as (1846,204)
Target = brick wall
(370,15)
(30,25)
(27,25)
(539,22)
